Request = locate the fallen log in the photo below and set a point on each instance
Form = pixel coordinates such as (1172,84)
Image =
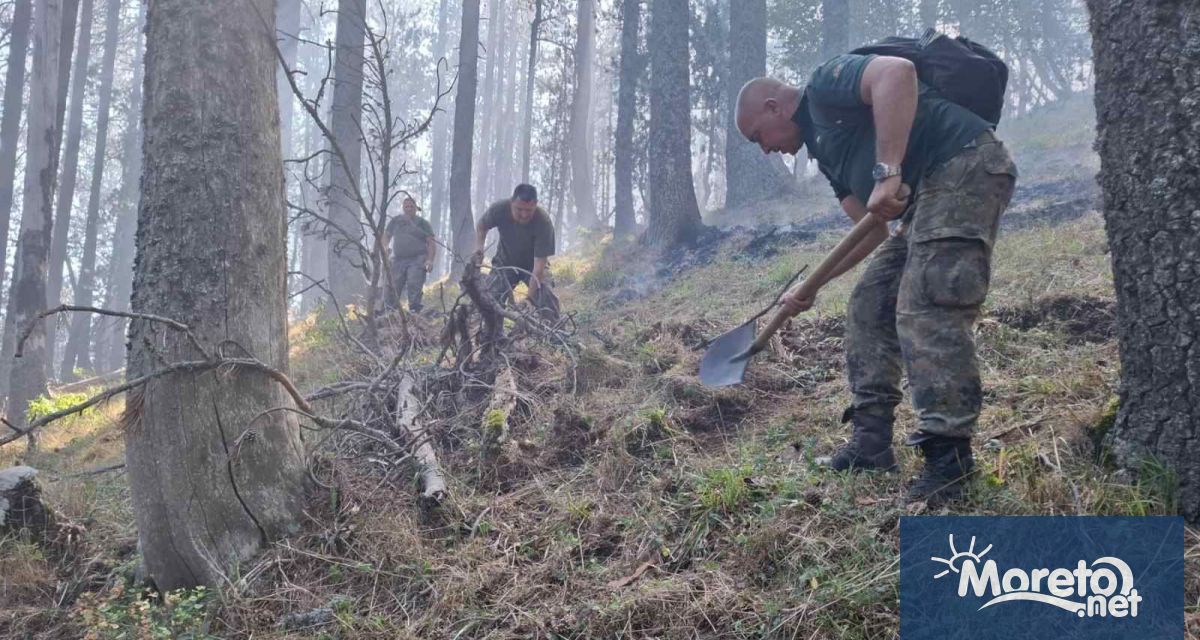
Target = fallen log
(433,482)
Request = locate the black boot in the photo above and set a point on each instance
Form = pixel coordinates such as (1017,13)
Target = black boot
(948,466)
(870,446)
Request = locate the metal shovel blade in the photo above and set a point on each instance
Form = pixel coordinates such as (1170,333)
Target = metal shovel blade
(725,361)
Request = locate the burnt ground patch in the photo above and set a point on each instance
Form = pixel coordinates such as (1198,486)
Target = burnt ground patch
(1082,319)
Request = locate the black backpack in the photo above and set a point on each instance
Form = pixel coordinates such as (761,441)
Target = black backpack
(963,71)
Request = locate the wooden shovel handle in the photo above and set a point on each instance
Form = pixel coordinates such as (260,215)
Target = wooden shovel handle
(816,279)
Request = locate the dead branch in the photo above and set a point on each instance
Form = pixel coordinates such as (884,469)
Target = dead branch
(174,324)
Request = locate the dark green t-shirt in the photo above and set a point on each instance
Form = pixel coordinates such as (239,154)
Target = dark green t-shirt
(409,236)
(839,130)
(519,243)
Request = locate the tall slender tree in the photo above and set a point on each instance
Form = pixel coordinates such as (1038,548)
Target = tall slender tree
(10,125)
(28,295)
(674,215)
(929,13)
(1146,64)
(213,474)
(581,112)
(78,349)
(487,99)
(345,277)
(749,174)
(835,27)
(631,65)
(441,129)
(112,342)
(530,80)
(461,219)
(287,31)
(68,177)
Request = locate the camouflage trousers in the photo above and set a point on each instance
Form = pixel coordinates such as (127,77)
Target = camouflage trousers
(408,273)
(502,280)
(916,305)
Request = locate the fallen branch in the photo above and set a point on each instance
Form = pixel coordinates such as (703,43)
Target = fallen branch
(432,480)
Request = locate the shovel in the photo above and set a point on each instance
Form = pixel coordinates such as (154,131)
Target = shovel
(725,361)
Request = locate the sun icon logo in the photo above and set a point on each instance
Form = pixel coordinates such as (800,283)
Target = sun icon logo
(958,557)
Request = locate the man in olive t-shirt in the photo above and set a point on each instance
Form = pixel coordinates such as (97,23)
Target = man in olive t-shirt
(526,241)
(413,248)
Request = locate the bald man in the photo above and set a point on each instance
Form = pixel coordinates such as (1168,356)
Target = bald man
(874,129)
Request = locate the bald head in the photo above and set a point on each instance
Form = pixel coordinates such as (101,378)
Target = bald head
(763,114)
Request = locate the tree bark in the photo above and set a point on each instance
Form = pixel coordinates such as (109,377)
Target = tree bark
(487,101)
(835,27)
(581,111)
(530,80)
(112,345)
(212,479)
(631,66)
(674,215)
(10,126)
(78,350)
(345,275)
(750,176)
(461,218)
(1147,89)
(67,179)
(441,129)
(28,295)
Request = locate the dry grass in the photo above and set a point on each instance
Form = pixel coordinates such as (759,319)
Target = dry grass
(644,505)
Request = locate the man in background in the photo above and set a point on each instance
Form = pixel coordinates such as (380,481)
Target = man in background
(413,249)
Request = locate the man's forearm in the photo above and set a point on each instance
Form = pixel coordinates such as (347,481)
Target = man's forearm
(480,238)
(539,272)
(430,250)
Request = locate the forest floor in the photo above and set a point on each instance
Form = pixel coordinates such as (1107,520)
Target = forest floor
(633,502)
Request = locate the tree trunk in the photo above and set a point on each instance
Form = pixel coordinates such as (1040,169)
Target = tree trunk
(487,102)
(10,126)
(835,27)
(112,345)
(28,295)
(315,250)
(346,279)
(674,216)
(441,128)
(287,32)
(502,150)
(212,478)
(78,350)
(929,13)
(461,219)
(1147,89)
(750,176)
(530,81)
(624,223)
(581,111)
(67,179)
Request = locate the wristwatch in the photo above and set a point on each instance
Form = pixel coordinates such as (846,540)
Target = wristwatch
(884,171)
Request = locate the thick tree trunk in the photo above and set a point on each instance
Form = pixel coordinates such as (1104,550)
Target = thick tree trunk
(673,213)
(314,261)
(112,347)
(67,179)
(530,80)
(10,126)
(28,294)
(835,27)
(441,129)
(211,477)
(346,279)
(78,350)
(461,219)
(750,176)
(1147,89)
(581,112)
(624,223)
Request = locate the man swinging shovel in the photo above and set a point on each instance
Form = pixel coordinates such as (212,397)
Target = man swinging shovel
(880,135)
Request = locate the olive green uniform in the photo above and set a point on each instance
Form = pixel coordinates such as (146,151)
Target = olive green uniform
(916,304)
(409,252)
